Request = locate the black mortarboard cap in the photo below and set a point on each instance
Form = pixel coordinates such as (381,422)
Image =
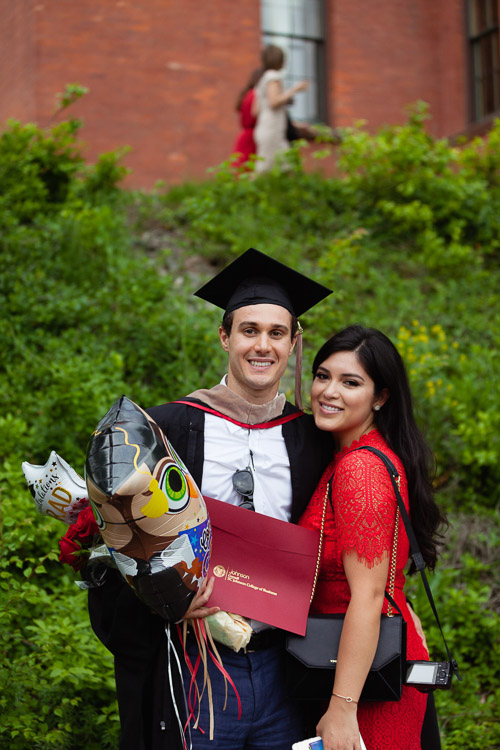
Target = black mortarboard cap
(255,279)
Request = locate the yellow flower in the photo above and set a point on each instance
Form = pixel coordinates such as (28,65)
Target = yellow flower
(430,388)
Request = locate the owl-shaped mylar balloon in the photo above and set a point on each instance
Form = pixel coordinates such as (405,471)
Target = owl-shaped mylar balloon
(150,512)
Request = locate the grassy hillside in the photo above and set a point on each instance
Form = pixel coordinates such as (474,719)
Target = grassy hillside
(97,301)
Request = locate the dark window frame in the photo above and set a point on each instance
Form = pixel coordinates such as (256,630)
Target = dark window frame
(273,37)
(484,81)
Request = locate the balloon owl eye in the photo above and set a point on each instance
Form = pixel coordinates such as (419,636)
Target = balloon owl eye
(174,485)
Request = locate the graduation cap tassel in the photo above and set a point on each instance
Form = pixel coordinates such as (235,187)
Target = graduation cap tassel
(298,369)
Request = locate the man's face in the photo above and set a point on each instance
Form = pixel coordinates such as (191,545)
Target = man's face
(258,347)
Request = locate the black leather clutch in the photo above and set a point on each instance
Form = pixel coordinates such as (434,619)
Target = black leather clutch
(312,659)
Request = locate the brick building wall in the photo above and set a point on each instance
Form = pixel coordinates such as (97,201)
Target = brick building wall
(388,53)
(163,75)
(17,60)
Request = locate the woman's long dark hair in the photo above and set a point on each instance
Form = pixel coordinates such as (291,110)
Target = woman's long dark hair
(252,82)
(396,422)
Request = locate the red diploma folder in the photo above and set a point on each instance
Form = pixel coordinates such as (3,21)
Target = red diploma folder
(263,568)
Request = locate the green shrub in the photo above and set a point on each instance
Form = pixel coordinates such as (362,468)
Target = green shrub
(95,302)
(56,684)
(36,169)
(465,588)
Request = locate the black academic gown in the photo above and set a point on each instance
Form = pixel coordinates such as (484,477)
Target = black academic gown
(131,632)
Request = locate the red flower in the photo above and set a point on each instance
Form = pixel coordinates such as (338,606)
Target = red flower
(85,524)
(77,536)
(68,548)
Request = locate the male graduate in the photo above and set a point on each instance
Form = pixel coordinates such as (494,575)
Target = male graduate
(243,424)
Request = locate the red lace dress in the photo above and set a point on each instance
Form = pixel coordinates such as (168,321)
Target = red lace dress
(363,524)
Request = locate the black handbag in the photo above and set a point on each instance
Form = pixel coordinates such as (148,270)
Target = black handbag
(292,134)
(312,658)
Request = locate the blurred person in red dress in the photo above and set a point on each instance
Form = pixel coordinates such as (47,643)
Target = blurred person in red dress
(361,395)
(247,107)
(244,145)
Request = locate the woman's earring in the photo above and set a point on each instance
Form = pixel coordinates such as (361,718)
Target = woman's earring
(377,407)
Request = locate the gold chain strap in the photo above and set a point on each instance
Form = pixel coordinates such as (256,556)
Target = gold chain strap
(318,561)
(392,576)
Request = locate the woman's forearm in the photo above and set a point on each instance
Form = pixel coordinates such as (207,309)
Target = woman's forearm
(357,646)
(276,97)
(280,100)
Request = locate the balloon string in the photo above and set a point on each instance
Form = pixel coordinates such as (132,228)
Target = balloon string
(171,649)
(192,685)
(214,648)
(204,641)
(207,681)
(220,667)
(207,685)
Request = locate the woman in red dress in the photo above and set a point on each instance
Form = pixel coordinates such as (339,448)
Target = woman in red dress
(244,145)
(361,394)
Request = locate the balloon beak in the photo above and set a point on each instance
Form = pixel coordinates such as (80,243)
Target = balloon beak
(158,502)
(193,489)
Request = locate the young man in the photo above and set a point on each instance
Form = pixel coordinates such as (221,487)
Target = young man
(242,424)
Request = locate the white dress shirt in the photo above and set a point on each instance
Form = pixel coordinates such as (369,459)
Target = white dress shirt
(230,448)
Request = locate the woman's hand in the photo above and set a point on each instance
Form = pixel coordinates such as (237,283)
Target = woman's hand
(338,728)
(301,86)
(198,609)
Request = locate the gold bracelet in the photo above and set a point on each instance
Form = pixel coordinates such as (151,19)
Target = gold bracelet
(346,698)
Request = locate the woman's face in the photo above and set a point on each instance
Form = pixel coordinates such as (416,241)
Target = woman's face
(343,398)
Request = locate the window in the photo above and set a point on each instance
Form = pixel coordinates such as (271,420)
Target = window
(297,27)
(485,69)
